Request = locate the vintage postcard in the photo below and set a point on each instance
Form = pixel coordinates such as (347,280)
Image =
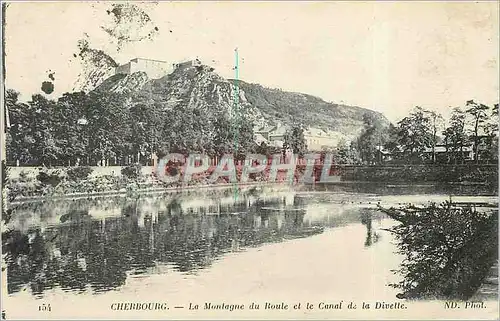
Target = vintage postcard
(250,160)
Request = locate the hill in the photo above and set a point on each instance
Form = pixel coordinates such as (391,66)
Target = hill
(283,106)
(200,87)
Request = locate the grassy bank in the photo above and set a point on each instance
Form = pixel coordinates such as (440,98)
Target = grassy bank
(448,250)
(75,182)
(467,173)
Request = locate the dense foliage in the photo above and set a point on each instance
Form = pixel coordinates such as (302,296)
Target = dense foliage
(131,171)
(295,141)
(50,177)
(108,128)
(448,249)
(375,134)
(462,174)
(79,173)
(416,137)
(5,174)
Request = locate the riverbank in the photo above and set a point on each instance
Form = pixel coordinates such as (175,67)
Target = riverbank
(24,184)
(141,191)
(422,173)
(451,173)
(489,288)
(338,187)
(84,181)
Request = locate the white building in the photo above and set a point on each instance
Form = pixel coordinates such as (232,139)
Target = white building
(153,68)
(317,138)
(188,63)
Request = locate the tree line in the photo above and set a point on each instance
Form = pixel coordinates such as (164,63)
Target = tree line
(424,136)
(109,128)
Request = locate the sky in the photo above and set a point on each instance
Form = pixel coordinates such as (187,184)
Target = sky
(385,56)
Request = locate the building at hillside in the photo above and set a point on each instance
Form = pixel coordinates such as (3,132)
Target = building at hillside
(153,68)
(264,131)
(188,63)
(317,139)
(277,135)
(442,152)
(259,139)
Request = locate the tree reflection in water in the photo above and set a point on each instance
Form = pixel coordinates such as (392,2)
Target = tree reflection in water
(367,219)
(82,252)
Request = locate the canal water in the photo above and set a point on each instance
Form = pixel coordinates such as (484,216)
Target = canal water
(268,244)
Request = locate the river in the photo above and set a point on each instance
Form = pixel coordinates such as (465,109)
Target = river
(269,244)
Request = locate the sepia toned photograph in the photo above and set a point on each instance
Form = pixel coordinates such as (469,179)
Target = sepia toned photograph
(263,160)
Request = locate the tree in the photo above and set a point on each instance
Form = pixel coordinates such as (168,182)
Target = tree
(371,139)
(232,134)
(491,132)
(70,126)
(345,153)
(46,147)
(186,131)
(294,139)
(479,115)
(436,122)
(107,126)
(415,134)
(447,250)
(392,145)
(18,139)
(145,125)
(455,136)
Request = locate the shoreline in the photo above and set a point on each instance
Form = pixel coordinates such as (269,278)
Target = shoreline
(158,190)
(180,189)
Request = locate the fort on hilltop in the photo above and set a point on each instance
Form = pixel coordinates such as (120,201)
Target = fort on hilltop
(153,68)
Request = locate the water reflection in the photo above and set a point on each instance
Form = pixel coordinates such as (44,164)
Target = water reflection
(96,244)
(367,219)
(383,188)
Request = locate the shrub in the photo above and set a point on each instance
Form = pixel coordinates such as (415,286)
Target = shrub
(131,171)
(24,176)
(49,177)
(172,171)
(448,249)
(79,173)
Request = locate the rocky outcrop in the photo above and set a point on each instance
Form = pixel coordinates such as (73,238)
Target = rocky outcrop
(200,87)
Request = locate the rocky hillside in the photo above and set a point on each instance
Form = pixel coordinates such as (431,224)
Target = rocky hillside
(283,106)
(191,87)
(202,88)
